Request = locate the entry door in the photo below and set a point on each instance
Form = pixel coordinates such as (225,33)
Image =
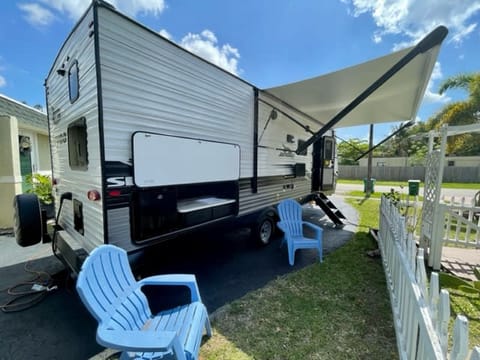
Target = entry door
(28,156)
(328,163)
(323,172)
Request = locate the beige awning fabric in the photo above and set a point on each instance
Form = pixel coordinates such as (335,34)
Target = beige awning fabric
(398,99)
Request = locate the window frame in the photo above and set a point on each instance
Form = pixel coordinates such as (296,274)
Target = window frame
(78,145)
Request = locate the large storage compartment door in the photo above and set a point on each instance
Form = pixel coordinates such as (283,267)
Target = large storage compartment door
(161,160)
(181,183)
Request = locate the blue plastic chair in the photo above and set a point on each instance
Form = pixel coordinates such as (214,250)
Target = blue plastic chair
(292,225)
(112,295)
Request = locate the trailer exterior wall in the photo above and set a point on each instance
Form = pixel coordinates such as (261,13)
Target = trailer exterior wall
(151,85)
(78,48)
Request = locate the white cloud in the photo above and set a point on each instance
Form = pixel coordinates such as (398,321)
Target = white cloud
(133,8)
(3,82)
(432,96)
(36,14)
(165,34)
(414,19)
(206,46)
(75,8)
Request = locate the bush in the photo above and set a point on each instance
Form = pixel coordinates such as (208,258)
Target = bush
(40,185)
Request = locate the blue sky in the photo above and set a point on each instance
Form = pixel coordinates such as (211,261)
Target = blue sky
(267,43)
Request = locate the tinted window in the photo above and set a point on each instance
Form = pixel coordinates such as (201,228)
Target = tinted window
(73,86)
(77,145)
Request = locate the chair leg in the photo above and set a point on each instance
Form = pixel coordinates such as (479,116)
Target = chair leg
(208,327)
(320,255)
(291,256)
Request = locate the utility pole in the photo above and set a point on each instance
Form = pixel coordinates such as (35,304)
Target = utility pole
(369,184)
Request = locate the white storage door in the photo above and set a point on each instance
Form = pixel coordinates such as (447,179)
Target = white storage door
(160,160)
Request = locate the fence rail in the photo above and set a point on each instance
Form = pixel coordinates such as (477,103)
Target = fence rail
(421,311)
(453,223)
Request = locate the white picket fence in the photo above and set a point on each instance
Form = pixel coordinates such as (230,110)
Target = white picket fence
(454,223)
(421,311)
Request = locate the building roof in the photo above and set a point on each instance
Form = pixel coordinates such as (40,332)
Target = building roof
(27,116)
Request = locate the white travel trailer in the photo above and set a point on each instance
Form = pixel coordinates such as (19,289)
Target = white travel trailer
(149,141)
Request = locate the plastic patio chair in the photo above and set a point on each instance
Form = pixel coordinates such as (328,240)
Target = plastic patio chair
(112,295)
(292,225)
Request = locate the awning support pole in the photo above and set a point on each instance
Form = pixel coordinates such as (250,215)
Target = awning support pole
(410,123)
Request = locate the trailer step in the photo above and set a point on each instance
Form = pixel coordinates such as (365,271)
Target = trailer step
(330,209)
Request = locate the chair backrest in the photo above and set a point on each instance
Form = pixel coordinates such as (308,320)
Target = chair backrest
(290,213)
(106,280)
(477,198)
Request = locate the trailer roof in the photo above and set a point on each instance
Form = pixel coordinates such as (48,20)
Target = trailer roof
(398,99)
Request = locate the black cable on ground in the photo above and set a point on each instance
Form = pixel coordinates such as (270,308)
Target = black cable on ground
(28,293)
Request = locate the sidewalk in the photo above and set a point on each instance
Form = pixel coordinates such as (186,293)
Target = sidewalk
(11,253)
(461,261)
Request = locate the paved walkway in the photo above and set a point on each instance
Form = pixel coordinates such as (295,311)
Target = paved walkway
(461,261)
(468,194)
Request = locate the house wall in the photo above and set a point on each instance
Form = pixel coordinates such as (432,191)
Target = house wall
(44,161)
(17,119)
(10,179)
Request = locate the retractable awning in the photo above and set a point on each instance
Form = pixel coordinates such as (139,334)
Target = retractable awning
(386,89)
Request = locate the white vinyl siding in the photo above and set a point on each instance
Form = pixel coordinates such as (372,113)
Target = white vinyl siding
(78,47)
(149,84)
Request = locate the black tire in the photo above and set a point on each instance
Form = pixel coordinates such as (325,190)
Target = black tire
(27,219)
(264,229)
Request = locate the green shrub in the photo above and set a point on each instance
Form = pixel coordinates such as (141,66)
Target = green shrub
(40,185)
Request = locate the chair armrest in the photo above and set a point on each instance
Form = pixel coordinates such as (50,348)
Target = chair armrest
(316,228)
(281,225)
(187,280)
(135,340)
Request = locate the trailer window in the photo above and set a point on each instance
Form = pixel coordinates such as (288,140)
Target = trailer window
(328,148)
(73,85)
(77,145)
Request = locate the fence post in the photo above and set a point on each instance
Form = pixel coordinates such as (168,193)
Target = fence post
(443,319)
(475,353)
(460,339)
(436,242)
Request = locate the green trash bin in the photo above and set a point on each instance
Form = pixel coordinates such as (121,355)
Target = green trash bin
(368,185)
(413,187)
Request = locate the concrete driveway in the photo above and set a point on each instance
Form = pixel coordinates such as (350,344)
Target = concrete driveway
(227,266)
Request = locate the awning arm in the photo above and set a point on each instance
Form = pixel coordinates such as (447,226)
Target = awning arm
(304,127)
(410,123)
(433,39)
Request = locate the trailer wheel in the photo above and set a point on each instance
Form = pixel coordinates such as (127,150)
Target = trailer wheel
(27,219)
(264,230)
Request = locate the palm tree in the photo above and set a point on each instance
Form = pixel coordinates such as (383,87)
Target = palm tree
(461,113)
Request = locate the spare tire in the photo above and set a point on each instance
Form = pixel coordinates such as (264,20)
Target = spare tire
(27,219)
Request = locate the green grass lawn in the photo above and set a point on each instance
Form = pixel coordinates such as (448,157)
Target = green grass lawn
(339,309)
